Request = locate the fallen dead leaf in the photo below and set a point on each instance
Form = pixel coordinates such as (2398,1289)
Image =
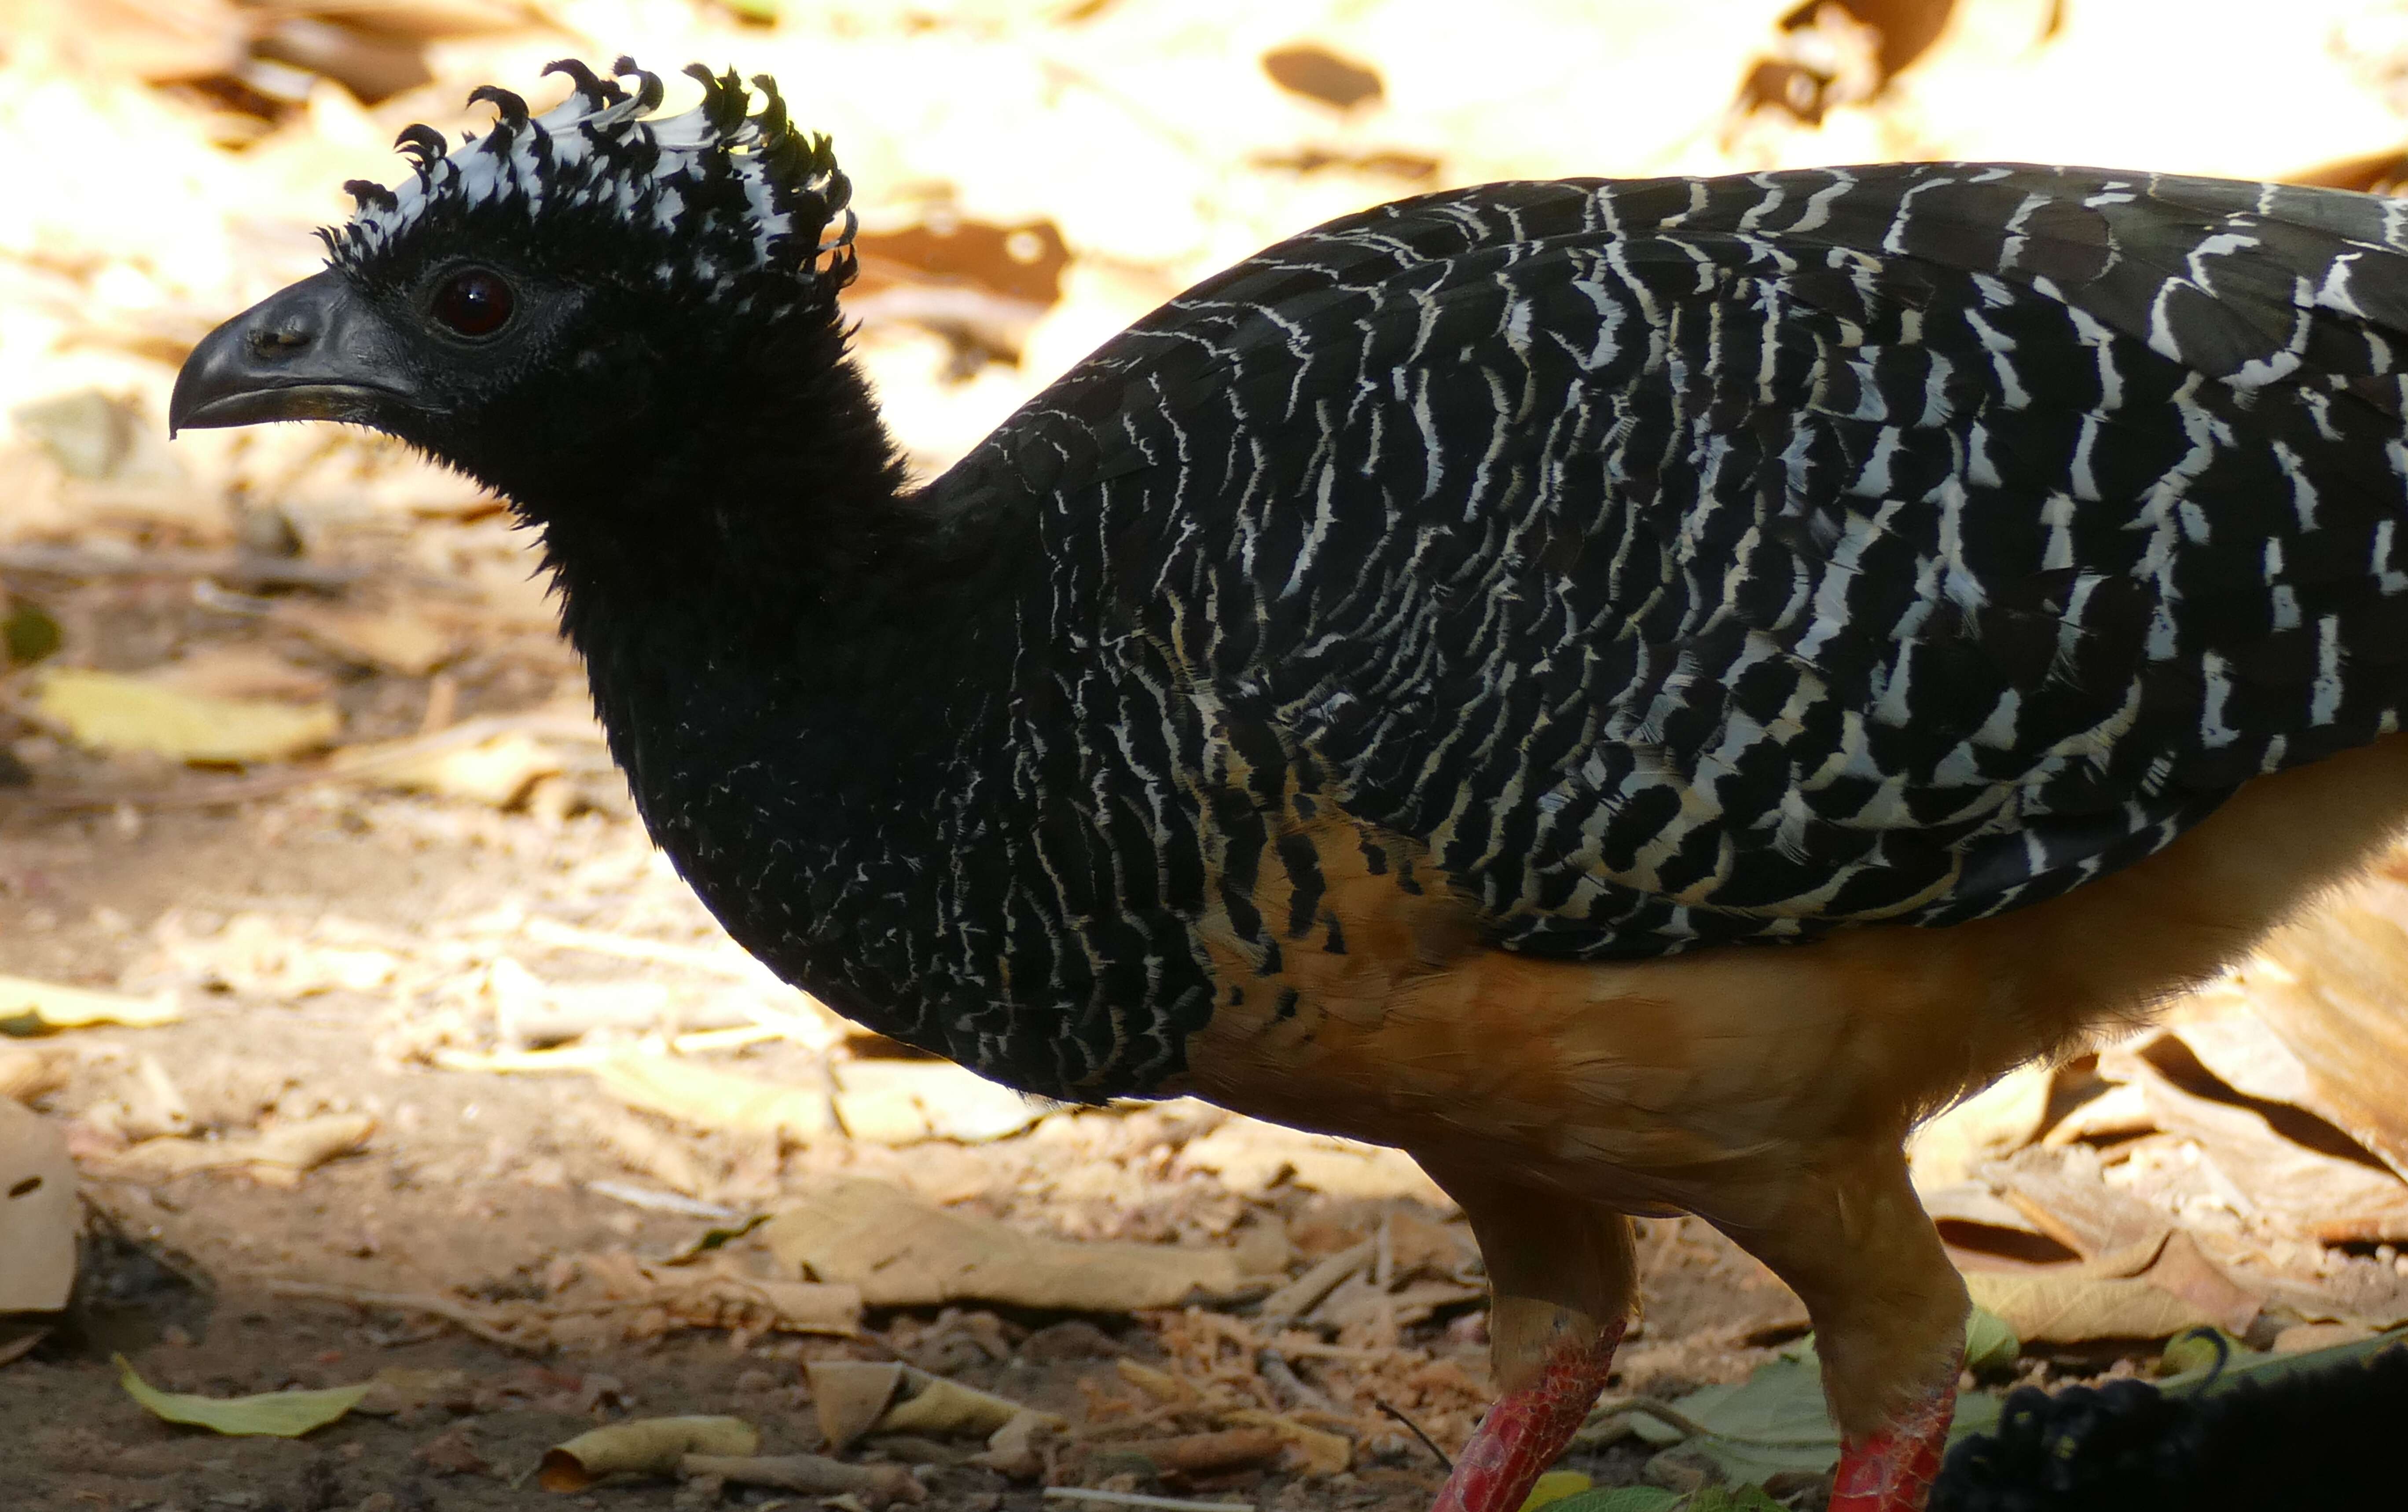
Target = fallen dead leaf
(1994,1123)
(270,1414)
(908,1102)
(32,1008)
(31,1071)
(714,1291)
(38,1217)
(497,772)
(243,672)
(2065,1195)
(112,711)
(2338,1201)
(2329,986)
(928,1404)
(853,1397)
(290,1149)
(1015,1450)
(712,1098)
(2182,1269)
(1251,1157)
(2120,1112)
(644,1445)
(398,639)
(903,1253)
(2073,1307)
(850,1395)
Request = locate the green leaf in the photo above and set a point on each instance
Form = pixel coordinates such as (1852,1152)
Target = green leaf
(1990,1342)
(271,1414)
(2246,1365)
(1621,1499)
(1776,1420)
(1734,1499)
(28,633)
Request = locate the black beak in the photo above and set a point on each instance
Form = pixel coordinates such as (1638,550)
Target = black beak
(314,352)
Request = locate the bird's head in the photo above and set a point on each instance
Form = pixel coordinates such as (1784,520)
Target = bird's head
(574,288)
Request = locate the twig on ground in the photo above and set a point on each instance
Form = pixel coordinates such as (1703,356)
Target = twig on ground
(1273,1367)
(1415,1429)
(450,1312)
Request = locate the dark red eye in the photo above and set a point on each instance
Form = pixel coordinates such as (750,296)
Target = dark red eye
(475,302)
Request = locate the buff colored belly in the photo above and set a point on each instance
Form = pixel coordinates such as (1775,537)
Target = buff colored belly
(1707,1081)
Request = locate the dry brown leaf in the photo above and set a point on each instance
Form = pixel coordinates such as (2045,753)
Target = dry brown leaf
(497,772)
(717,1292)
(2071,1307)
(2065,1195)
(290,1148)
(1997,1121)
(645,1446)
(850,1395)
(2120,1112)
(1015,1450)
(112,711)
(1252,1157)
(714,1099)
(903,1253)
(932,1405)
(38,1217)
(243,672)
(2329,987)
(906,1102)
(854,1397)
(398,639)
(31,1070)
(2182,1269)
(31,1007)
(2336,1201)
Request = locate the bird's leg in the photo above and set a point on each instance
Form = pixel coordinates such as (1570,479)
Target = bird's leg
(1529,1426)
(1892,1468)
(1560,1278)
(1890,1318)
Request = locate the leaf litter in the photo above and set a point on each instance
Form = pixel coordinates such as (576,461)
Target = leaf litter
(365,637)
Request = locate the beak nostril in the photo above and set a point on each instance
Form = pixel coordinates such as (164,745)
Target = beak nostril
(280,340)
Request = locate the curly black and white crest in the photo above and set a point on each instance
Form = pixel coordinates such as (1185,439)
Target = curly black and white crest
(725,191)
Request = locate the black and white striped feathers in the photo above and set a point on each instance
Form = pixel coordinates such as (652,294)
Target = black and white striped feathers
(1694,560)
(1649,564)
(722,194)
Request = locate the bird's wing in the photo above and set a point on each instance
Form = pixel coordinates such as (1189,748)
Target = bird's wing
(1688,560)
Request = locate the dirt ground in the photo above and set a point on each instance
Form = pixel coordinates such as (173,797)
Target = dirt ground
(479,1186)
(430,941)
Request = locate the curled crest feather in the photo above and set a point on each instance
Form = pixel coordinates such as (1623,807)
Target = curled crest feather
(722,194)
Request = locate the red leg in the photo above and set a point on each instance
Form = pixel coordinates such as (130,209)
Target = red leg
(1528,1429)
(1892,1469)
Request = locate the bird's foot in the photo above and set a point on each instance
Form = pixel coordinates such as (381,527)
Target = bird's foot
(1528,1428)
(1892,1469)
